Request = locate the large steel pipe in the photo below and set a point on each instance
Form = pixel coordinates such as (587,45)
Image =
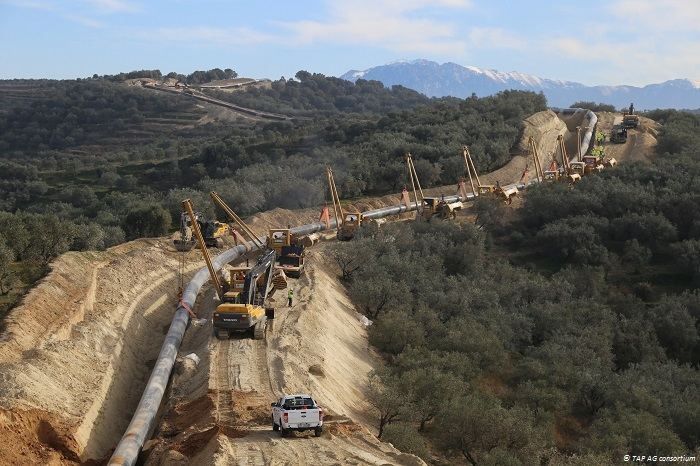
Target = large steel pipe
(144,418)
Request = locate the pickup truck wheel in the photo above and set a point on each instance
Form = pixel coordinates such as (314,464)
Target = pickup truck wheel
(275,427)
(318,431)
(284,432)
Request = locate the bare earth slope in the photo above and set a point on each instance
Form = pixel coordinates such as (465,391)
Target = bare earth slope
(319,345)
(78,349)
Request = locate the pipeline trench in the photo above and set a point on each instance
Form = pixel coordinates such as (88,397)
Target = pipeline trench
(77,354)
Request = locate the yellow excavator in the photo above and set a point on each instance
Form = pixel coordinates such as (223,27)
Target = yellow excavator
(506,193)
(245,297)
(347,223)
(212,231)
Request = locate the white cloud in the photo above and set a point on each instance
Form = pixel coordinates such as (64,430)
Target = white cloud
(216,36)
(650,16)
(496,38)
(113,6)
(389,24)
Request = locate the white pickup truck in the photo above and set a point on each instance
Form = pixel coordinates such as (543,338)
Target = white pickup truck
(297,412)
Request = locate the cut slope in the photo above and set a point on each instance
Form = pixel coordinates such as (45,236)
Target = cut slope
(78,350)
(319,346)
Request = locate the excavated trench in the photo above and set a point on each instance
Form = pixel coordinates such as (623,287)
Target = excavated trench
(76,354)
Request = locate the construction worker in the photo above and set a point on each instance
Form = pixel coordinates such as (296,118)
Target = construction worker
(290,295)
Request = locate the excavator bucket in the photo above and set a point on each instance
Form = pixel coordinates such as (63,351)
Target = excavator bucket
(279,280)
(184,245)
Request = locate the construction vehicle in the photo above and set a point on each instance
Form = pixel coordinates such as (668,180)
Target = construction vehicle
(506,194)
(592,164)
(438,207)
(245,308)
(629,118)
(430,207)
(275,236)
(618,135)
(212,231)
(347,223)
(539,173)
(571,171)
(290,251)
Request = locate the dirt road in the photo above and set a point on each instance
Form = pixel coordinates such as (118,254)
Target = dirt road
(641,141)
(319,346)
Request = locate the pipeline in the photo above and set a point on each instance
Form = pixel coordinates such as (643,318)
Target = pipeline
(143,420)
(592,120)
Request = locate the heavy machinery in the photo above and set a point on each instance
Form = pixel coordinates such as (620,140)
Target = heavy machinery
(572,171)
(212,231)
(290,251)
(430,207)
(539,173)
(629,118)
(289,254)
(592,164)
(618,135)
(348,223)
(506,194)
(243,308)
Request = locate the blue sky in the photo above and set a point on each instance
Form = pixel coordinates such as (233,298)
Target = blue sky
(595,42)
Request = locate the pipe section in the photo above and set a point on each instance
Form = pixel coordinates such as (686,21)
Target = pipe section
(143,420)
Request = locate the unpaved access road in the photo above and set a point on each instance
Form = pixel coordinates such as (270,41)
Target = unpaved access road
(220,411)
(641,141)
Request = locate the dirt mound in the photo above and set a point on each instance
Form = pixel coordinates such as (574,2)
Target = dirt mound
(35,437)
(79,349)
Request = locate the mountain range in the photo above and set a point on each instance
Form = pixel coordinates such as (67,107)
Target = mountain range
(450,79)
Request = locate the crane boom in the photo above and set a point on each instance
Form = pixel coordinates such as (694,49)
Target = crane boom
(536,159)
(414,180)
(337,207)
(246,229)
(187,206)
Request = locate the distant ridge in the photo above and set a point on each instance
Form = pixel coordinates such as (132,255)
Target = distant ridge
(450,79)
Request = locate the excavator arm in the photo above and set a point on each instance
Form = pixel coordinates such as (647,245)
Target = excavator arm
(262,268)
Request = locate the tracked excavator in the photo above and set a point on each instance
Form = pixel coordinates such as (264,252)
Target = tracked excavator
(347,223)
(506,194)
(245,304)
(430,207)
(212,231)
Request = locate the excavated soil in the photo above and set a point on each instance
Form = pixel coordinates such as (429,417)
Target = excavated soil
(317,346)
(641,141)
(79,349)
(75,356)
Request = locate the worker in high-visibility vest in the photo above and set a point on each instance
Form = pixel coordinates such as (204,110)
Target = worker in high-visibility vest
(290,295)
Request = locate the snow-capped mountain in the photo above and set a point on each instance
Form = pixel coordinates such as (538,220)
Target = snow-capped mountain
(450,79)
